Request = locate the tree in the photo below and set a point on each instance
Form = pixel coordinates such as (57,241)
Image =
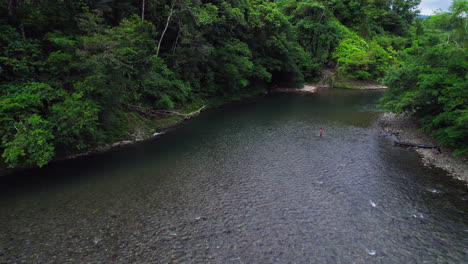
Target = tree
(73,73)
(432,83)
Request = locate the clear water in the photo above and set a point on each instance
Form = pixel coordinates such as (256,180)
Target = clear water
(249,183)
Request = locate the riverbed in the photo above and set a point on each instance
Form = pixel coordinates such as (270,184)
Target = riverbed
(246,183)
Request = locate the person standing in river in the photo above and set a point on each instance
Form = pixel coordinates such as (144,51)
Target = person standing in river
(321,131)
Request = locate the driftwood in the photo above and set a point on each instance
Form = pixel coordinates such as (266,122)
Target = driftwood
(159,113)
(407,144)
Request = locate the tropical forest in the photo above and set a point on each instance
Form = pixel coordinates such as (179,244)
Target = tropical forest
(233,131)
(76,74)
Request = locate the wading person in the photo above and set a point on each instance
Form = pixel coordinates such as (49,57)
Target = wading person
(321,131)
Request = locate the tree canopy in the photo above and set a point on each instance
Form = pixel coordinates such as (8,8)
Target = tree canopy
(432,81)
(72,73)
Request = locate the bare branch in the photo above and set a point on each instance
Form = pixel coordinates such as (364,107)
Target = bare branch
(165,28)
(160,113)
(176,40)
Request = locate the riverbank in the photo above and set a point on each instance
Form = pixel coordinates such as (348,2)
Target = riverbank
(358,84)
(406,128)
(143,127)
(307,88)
(346,84)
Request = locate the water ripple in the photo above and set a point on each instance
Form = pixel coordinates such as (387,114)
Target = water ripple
(251,184)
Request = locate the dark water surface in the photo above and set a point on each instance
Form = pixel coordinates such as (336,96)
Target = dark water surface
(250,183)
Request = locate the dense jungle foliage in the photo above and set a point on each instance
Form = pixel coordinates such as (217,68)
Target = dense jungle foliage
(76,74)
(431,83)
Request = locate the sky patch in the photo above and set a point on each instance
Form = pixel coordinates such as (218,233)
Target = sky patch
(428,7)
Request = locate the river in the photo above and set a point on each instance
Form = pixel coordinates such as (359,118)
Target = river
(246,183)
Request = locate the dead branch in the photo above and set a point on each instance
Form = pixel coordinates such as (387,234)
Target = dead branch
(160,113)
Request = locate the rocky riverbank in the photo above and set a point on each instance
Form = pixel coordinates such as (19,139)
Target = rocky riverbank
(406,128)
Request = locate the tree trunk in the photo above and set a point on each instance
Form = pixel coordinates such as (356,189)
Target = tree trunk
(22,31)
(143,11)
(10,3)
(165,28)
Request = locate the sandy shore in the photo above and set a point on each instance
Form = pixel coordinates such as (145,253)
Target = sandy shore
(312,88)
(406,128)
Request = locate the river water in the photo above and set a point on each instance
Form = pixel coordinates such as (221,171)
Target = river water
(247,183)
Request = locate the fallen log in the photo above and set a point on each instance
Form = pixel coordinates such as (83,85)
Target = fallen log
(160,113)
(408,144)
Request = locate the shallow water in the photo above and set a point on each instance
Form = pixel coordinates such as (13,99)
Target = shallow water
(248,183)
